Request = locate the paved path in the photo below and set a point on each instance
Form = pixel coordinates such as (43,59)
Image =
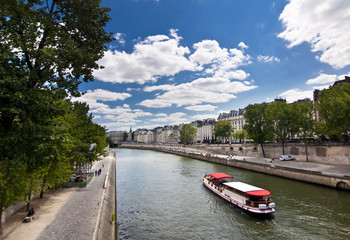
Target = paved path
(46,209)
(69,213)
(78,217)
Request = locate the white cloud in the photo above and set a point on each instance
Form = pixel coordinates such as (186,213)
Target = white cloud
(268,59)
(293,95)
(156,56)
(91,97)
(204,116)
(199,108)
(220,62)
(323,24)
(342,76)
(199,91)
(242,45)
(119,37)
(121,114)
(174,118)
(322,79)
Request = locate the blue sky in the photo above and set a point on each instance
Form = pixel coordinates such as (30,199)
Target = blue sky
(177,61)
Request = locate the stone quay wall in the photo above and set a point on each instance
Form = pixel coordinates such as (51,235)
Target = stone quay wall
(330,180)
(327,153)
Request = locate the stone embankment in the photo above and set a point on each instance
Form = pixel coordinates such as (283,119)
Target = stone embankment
(337,176)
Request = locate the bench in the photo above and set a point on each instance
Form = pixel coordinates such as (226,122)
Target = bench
(28,219)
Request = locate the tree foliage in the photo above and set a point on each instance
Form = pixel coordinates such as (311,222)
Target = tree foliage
(334,109)
(241,135)
(279,113)
(304,122)
(56,43)
(47,48)
(187,133)
(258,126)
(223,129)
(125,136)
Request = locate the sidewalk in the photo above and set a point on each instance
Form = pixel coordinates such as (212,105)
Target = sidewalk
(45,208)
(46,211)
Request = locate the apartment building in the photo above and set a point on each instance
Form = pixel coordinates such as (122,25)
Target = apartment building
(235,117)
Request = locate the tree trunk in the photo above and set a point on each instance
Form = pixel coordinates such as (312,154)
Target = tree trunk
(282,147)
(262,149)
(1,220)
(42,187)
(29,197)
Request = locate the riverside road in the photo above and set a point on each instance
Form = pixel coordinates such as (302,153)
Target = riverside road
(78,218)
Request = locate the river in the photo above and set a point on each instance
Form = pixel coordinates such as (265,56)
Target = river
(161,196)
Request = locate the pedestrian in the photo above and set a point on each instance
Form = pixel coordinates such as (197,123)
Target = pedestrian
(95,172)
(31,212)
(103,165)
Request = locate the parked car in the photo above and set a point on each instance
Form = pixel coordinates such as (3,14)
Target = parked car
(286,158)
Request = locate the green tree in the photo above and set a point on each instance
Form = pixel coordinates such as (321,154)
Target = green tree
(280,114)
(56,43)
(241,135)
(47,48)
(110,142)
(125,136)
(223,129)
(304,122)
(258,126)
(187,133)
(334,109)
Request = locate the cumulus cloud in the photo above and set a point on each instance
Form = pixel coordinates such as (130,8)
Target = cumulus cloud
(174,118)
(242,45)
(293,95)
(268,59)
(155,56)
(199,91)
(111,117)
(203,116)
(322,79)
(220,62)
(199,108)
(323,24)
(220,68)
(92,97)
(119,37)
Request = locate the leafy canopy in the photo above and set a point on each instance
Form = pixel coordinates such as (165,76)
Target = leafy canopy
(334,109)
(187,133)
(223,129)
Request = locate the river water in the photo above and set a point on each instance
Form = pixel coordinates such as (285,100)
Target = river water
(161,196)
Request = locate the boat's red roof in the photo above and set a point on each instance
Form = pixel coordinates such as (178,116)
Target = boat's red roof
(220,175)
(259,193)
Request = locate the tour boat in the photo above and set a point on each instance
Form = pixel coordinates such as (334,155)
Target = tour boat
(247,197)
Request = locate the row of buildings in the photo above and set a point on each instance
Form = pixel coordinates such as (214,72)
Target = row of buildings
(171,134)
(204,128)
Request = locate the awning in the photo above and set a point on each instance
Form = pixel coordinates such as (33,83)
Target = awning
(220,175)
(248,189)
(259,193)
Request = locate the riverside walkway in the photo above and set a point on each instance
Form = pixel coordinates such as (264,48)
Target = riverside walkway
(71,213)
(313,172)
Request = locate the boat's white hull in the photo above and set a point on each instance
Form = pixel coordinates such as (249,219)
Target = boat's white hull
(221,192)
